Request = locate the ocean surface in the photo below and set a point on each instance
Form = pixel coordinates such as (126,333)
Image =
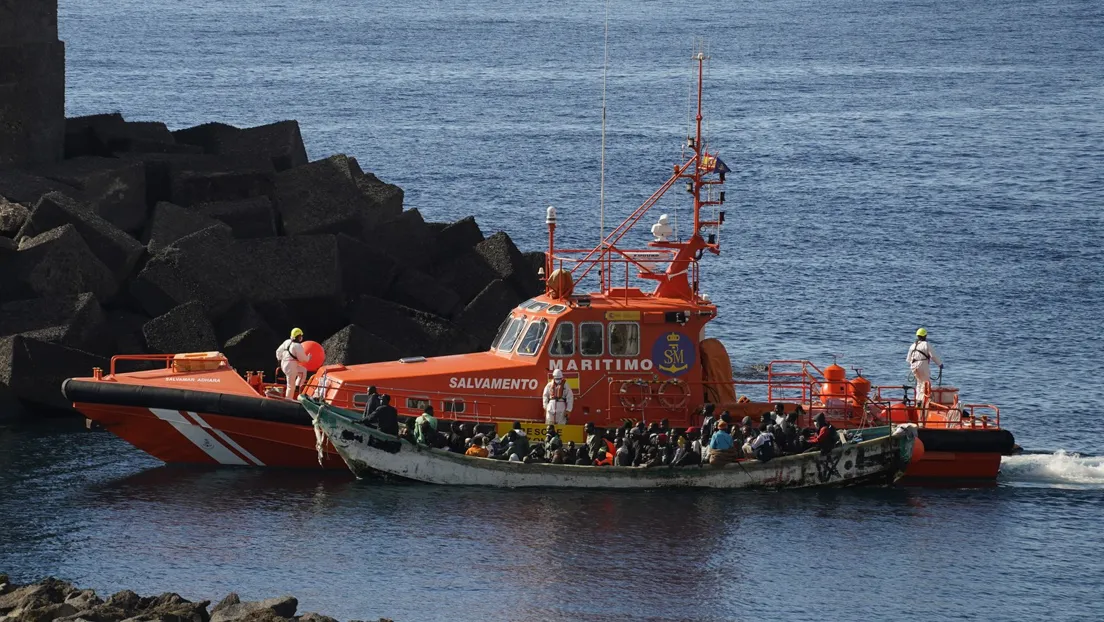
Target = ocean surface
(896,164)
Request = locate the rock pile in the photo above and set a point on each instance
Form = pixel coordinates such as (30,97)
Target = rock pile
(146,240)
(52,600)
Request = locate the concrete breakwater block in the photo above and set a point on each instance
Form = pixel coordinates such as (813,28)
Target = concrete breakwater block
(117,250)
(126,328)
(188,187)
(485,313)
(456,238)
(114,189)
(385,200)
(32,100)
(172,222)
(289,268)
(12,217)
(58,262)
(466,274)
(108,134)
(501,254)
(253,350)
(248,218)
(319,197)
(183,329)
(280,142)
(74,321)
(410,331)
(419,290)
(194,267)
(364,270)
(353,344)
(33,370)
(406,237)
(162,168)
(20,186)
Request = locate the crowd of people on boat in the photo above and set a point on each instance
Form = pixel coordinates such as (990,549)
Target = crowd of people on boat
(719,440)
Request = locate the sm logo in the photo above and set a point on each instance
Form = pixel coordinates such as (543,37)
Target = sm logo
(673,353)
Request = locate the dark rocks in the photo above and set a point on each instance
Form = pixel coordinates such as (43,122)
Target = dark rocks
(483,315)
(58,262)
(466,274)
(183,329)
(457,238)
(283,606)
(364,270)
(320,197)
(172,222)
(249,218)
(118,251)
(20,186)
(417,289)
(32,92)
(410,331)
(110,134)
(199,267)
(279,142)
(354,344)
(114,189)
(188,187)
(75,321)
(252,350)
(34,369)
(12,217)
(406,237)
(501,254)
(293,268)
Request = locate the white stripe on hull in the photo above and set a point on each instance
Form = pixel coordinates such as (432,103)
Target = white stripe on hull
(199,437)
(229,441)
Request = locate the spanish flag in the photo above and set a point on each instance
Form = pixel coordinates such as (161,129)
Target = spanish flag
(713,164)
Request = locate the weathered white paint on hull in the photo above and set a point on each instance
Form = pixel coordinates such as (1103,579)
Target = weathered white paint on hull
(878,461)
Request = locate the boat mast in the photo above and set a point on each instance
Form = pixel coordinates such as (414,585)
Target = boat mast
(602,174)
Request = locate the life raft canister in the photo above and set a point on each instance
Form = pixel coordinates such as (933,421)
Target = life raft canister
(835,386)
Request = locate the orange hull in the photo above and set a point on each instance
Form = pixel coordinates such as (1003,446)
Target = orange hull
(182,437)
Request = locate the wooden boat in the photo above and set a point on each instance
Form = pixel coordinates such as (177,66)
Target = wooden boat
(880,458)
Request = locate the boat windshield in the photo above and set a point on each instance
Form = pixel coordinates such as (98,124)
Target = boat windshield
(501,331)
(510,336)
(534,335)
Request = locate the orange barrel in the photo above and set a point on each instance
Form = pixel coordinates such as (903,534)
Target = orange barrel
(861,388)
(836,386)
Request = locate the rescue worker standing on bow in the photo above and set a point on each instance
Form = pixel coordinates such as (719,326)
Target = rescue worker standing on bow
(292,357)
(920,357)
(558,400)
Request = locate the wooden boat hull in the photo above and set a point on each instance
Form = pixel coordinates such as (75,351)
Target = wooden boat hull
(369,453)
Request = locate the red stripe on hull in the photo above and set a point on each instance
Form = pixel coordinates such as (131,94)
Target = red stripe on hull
(274,444)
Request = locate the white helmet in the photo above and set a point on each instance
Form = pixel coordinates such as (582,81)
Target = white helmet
(663,219)
(557,374)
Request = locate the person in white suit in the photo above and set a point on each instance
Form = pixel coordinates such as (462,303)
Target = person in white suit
(920,358)
(558,400)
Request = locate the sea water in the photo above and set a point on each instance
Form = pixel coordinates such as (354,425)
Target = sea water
(895,165)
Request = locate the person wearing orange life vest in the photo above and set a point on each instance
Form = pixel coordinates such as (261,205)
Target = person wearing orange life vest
(291,356)
(558,400)
(920,357)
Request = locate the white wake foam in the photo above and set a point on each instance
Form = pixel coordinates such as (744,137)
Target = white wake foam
(1056,469)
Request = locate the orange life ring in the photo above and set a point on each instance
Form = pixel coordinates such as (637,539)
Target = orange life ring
(673,394)
(634,394)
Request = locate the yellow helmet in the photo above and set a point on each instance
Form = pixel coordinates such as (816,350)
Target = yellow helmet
(921,332)
(296,332)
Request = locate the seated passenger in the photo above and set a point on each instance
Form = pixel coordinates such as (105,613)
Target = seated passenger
(763,445)
(826,437)
(408,430)
(685,455)
(604,458)
(384,417)
(478,450)
(622,457)
(788,435)
(536,456)
(521,439)
(594,440)
(557,456)
(721,450)
(552,440)
(425,427)
(570,453)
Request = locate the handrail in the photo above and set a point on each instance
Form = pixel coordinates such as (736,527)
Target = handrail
(166,358)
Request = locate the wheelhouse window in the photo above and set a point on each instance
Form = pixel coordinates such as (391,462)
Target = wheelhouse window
(454,405)
(557,309)
(563,340)
(591,338)
(624,338)
(417,403)
(534,335)
(510,335)
(536,305)
(501,331)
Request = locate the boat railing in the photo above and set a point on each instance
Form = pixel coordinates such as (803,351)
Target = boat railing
(448,406)
(180,363)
